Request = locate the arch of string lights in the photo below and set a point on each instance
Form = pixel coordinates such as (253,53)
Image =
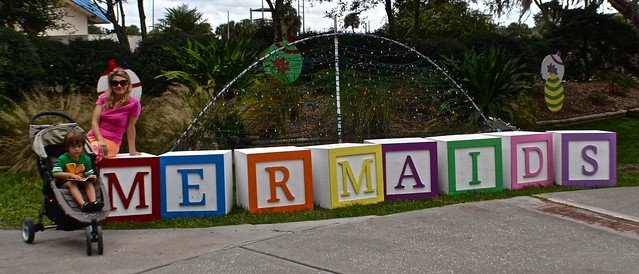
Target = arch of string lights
(350,87)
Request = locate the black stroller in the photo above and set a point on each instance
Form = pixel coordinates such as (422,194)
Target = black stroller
(57,203)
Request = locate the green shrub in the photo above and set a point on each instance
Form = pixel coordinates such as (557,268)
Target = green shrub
(20,67)
(598,98)
(491,80)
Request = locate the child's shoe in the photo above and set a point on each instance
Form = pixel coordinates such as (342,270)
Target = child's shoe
(97,205)
(87,207)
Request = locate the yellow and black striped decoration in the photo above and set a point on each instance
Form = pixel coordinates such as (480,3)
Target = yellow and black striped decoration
(554,93)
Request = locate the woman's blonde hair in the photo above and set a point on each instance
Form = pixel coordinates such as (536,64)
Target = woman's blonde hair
(110,100)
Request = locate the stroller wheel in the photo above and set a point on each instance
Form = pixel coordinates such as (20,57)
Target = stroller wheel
(100,244)
(88,240)
(28,230)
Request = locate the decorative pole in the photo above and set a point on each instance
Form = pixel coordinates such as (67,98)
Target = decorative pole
(337,95)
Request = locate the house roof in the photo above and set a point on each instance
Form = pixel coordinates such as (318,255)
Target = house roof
(94,9)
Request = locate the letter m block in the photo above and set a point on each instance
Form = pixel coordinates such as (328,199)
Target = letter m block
(132,183)
(347,174)
(585,157)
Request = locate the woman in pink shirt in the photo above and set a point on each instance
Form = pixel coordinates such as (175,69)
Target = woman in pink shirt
(115,113)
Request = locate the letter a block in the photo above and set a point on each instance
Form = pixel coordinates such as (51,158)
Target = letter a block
(196,183)
(347,174)
(133,186)
(410,168)
(527,158)
(469,163)
(585,157)
(276,179)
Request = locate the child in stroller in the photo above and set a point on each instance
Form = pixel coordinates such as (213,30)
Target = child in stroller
(58,203)
(73,168)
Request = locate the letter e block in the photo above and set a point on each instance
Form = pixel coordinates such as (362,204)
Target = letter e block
(410,168)
(196,183)
(527,158)
(276,179)
(133,186)
(585,157)
(347,174)
(469,163)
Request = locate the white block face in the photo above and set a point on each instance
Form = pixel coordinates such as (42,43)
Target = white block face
(536,169)
(139,203)
(361,165)
(398,159)
(465,173)
(286,175)
(197,181)
(589,160)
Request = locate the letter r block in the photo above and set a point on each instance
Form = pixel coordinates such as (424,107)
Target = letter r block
(410,168)
(469,163)
(132,183)
(347,174)
(196,183)
(585,157)
(527,157)
(276,179)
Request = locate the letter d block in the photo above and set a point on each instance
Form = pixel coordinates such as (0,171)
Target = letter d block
(469,163)
(196,183)
(410,168)
(347,174)
(133,186)
(585,157)
(276,179)
(527,158)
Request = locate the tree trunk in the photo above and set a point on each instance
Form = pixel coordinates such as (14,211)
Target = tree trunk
(416,18)
(119,29)
(276,13)
(391,18)
(628,9)
(142,18)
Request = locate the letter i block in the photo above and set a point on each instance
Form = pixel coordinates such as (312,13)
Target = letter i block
(469,163)
(347,174)
(527,158)
(276,179)
(410,168)
(585,157)
(133,186)
(196,183)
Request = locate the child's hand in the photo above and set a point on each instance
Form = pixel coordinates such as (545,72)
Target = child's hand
(74,177)
(92,177)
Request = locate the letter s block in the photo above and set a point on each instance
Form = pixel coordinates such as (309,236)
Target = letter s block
(132,183)
(527,157)
(275,179)
(196,183)
(468,163)
(347,174)
(410,168)
(585,157)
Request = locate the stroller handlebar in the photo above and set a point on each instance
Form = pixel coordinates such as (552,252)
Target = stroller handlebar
(51,113)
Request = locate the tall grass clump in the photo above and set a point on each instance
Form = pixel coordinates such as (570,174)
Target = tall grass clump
(15,147)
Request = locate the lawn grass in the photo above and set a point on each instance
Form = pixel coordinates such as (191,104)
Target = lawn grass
(20,194)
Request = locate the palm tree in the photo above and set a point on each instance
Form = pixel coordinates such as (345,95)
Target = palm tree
(184,20)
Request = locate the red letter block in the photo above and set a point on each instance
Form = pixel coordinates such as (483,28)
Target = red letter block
(133,186)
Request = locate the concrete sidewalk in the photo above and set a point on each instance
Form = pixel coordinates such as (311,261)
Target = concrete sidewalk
(592,231)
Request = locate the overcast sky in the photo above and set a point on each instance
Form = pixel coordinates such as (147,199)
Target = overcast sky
(218,12)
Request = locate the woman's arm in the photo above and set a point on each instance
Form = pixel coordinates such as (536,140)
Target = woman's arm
(130,135)
(95,126)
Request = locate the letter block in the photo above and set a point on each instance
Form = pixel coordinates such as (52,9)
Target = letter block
(132,183)
(347,174)
(468,163)
(527,158)
(585,157)
(196,183)
(410,168)
(276,179)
